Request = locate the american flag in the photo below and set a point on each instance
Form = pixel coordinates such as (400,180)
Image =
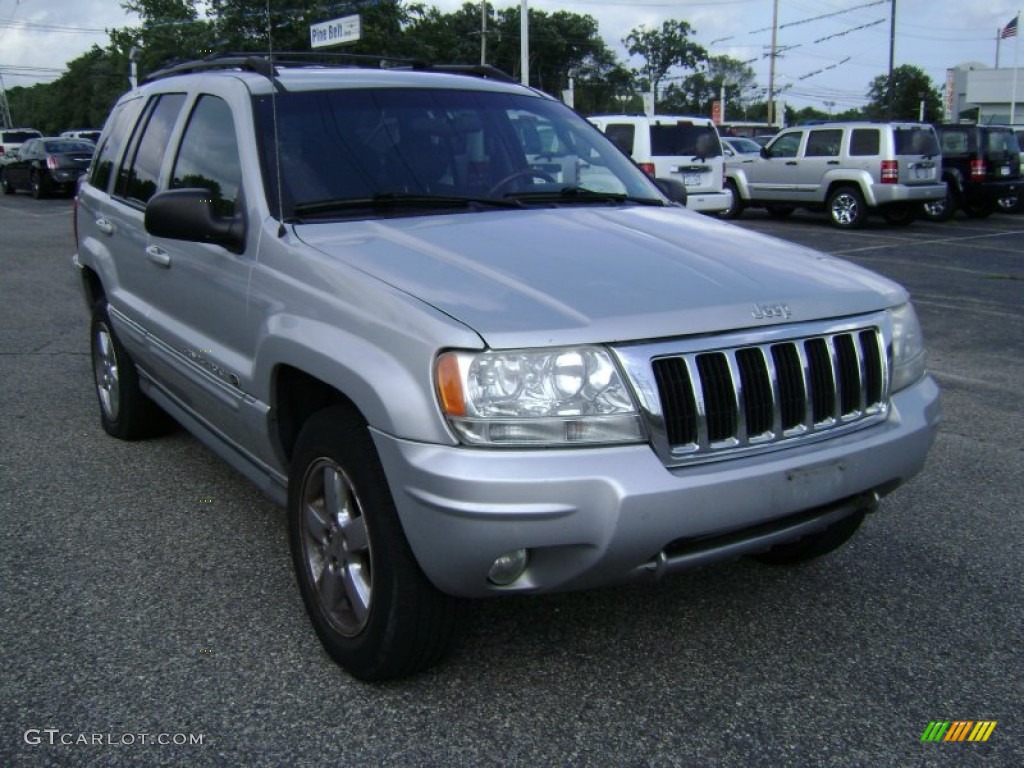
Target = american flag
(1010,30)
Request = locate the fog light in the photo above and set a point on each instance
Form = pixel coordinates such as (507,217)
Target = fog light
(508,567)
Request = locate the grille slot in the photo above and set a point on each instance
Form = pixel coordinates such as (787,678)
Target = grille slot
(714,401)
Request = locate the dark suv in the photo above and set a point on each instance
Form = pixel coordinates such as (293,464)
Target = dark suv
(980,165)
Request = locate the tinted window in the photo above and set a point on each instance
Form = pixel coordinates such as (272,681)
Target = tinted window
(138,178)
(18,137)
(685,138)
(955,142)
(117,131)
(915,141)
(999,142)
(865,141)
(622,135)
(824,143)
(785,145)
(58,147)
(208,156)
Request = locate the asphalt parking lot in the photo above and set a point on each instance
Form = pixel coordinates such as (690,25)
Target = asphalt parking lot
(148,612)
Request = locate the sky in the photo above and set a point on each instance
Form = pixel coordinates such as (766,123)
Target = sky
(829,50)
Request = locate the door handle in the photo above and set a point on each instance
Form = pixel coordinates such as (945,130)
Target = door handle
(158,256)
(791,162)
(104,226)
(833,162)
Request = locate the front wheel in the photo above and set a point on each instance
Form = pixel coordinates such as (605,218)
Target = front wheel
(900,214)
(846,208)
(372,607)
(813,545)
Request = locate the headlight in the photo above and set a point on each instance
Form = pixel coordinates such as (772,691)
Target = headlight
(908,358)
(566,396)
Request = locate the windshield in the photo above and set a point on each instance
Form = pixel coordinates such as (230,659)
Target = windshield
(394,150)
(744,145)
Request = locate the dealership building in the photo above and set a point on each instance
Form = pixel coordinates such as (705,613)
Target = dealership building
(977,92)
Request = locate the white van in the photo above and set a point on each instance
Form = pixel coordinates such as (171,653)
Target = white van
(686,149)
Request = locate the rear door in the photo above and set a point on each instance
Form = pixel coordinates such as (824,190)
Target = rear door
(918,155)
(1001,153)
(688,151)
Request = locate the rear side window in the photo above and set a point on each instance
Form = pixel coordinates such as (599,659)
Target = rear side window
(915,141)
(622,136)
(824,143)
(955,142)
(1001,141)
(864,141)
(140,172)
(118,126)
(684,138)
(208,156)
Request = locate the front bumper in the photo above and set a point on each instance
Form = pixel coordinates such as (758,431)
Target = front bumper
(606,515)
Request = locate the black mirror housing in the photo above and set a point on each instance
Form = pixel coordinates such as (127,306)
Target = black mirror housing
(187,214)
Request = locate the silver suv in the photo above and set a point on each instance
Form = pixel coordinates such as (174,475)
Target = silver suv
(467,376)
(845,169)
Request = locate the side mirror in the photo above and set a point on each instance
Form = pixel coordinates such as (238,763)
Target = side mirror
(673,189)
(187,214)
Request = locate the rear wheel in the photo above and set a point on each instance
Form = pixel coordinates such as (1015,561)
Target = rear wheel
(846,208)
(370,603)
(125,411)
(814,545)
(38,186)
(735,209)
(6,184)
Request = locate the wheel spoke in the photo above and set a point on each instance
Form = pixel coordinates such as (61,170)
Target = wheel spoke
(357,590)
(316,520)
(354,530)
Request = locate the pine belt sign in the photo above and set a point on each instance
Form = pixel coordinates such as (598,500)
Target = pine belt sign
(344,30)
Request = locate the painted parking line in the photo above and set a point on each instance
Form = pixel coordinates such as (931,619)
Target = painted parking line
(940,241)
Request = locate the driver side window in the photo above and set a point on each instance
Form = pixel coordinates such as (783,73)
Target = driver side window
(786,145)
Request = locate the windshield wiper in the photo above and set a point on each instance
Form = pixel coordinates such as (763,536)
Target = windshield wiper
(582,195)
(391,201)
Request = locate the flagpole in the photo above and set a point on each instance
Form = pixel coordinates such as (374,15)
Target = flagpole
(999,37)
(1013,88)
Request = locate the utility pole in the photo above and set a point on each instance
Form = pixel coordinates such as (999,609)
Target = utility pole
(771,63)
(891,96)
(483,33)
(5,110)
(524,44)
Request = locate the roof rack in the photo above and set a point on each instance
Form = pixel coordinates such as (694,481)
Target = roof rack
(266,63)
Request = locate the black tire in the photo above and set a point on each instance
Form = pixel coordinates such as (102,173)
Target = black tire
(780,211)
(125,411)
(1009,204)
(735,209)
(900,214)
(7,186)
(38,186)
(846,208)
(814,545)
(980,210)
(942,209)
(372,607)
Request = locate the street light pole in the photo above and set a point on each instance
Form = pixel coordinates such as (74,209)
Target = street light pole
(524,44)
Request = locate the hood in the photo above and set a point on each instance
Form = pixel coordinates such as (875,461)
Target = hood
(598,275)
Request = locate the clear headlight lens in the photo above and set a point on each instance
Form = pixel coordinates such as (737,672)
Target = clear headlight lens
(908,355)
(565,396)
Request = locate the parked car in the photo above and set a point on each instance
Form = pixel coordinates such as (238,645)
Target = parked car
(980,165)
(87,134)
(847,169)
(463,377)
(46,166)
(686,149)
(12,138)
(740,148)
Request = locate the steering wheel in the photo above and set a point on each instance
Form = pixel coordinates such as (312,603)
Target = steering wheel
(523,173)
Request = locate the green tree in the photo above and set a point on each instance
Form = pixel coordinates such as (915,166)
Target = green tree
(694,93)
(911,85)
(662,49)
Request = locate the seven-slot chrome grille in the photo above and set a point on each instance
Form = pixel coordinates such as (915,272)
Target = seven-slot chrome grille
(750,393)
